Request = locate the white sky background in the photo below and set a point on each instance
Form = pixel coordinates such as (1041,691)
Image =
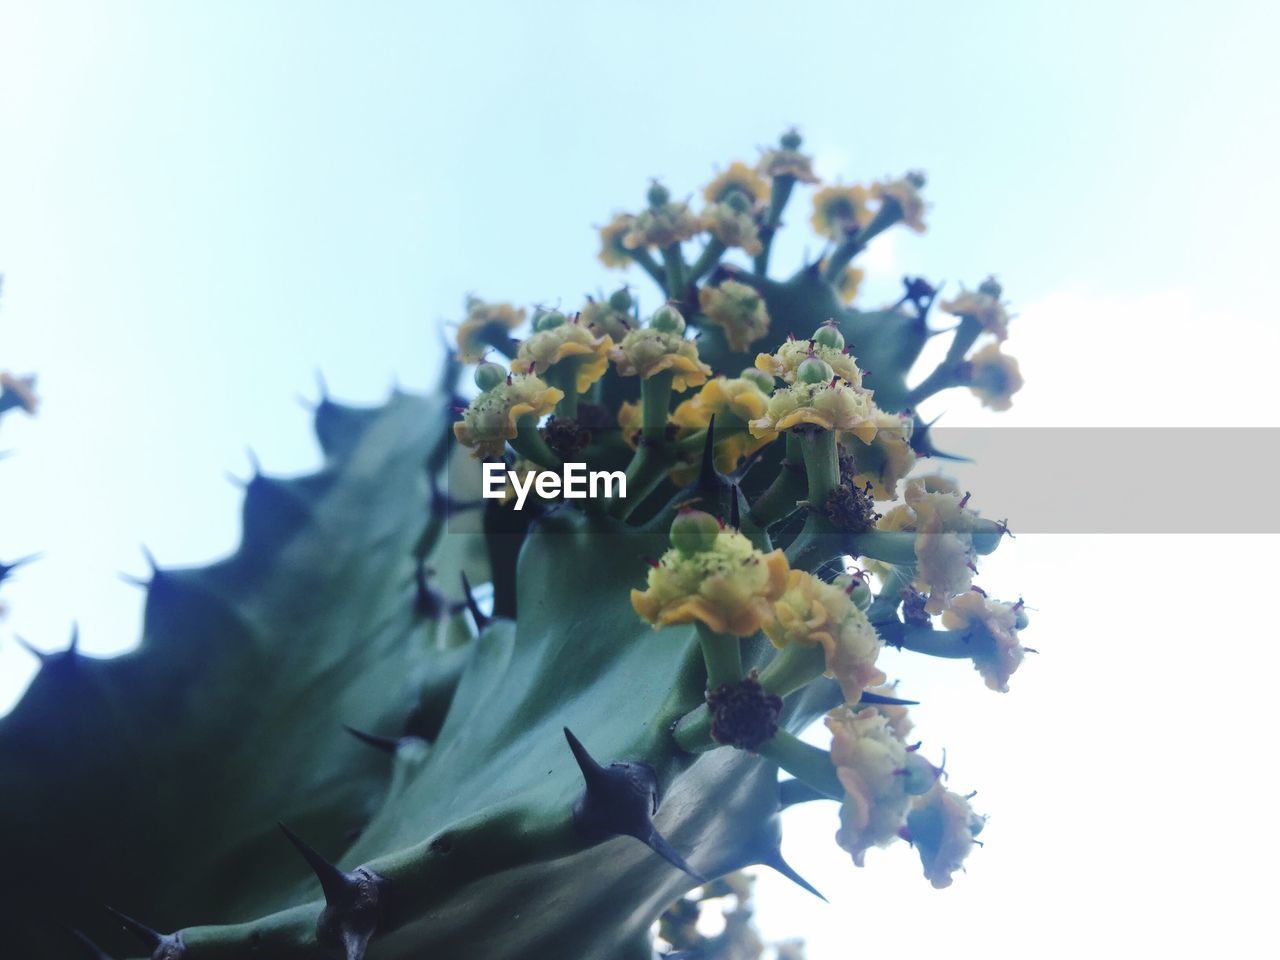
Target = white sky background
(203,204)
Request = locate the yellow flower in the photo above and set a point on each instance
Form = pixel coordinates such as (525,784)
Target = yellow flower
(491,419)
(739,177)
(734,403)
(648,351)
(732,227)
(737,309)
(942,827)
(661,226)
(994,377)
(784,162)
(887,459)
(837,407)
(905,192)
(868,759)
(729,587)
(569,341)
(848,282)
(482,321)
(785,361)
(604,318)
(18,391)
(982,307)
(630,419)
(838,211)
(995,621)
(613,253)
(945,555)
(810,612)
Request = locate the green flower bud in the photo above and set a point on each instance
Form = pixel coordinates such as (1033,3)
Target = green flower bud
(620,300)
(1020,619)
(790,140)
(920,774)
(693,531)
(991,287)
(916,178)
(814,370)
(987,535)
(658,194)
(668,320)
(829,335)
(489,375)
(856,589)
(548,320)
(738,201)
(759,378)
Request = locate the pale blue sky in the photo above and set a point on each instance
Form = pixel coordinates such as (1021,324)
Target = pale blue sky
(203,204)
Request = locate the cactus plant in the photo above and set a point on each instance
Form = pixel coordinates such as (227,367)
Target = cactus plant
(327,745)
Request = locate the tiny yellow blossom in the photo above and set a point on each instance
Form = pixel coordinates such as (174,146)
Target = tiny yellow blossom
(982,307)
(836,407)
(994,377)
(613,252)
(661,226)
(868,759)
(887,459)
(737,178)
(647,352)
(738,310)
(996,622)
(734,402)
(838,211)
(18,392)
(810,612)
(942,827)
(785,361)
(482,321)
(569,341)
(491,419)
(905,193)
(945,555)
(631,419)
(732,227)
(728,587)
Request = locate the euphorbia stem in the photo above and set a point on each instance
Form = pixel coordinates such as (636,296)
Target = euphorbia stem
(778,197)
(565,376)
(722,653)
(804,762)
(792,668)
(529,444)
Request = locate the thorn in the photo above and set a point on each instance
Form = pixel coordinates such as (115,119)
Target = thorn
(322,387)
(236,481)
(791,792)
(6,569)
(133,581)
(620,800)
(41,655)
(353,901)
(385,744)
(776,862)
(150,558)
(869,697)
(90,949)
(481,620)
(163,946)
(735,511)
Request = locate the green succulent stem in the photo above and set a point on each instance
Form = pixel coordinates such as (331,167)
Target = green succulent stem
(722,653)
(495,336)
(780,499)
(818,541)
(675,270)
(792,668)
(529,444)
(805,762)
(709,257)
(779,194)
(564,375)
(947,644)
(692,732)
(649,265)
(884,607)
(947,373)
(889,213)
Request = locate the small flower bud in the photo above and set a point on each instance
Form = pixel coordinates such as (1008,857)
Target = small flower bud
(548,320)
(916,178)
(658,194)
(829,335)
(814,370)
(759,378)
(489,375)
(920,775)
(856,589)
(738,201)
(987,535)
(790,140)
(620,300)
(1020,619)
(991,287)
(668,320)
(693,531)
